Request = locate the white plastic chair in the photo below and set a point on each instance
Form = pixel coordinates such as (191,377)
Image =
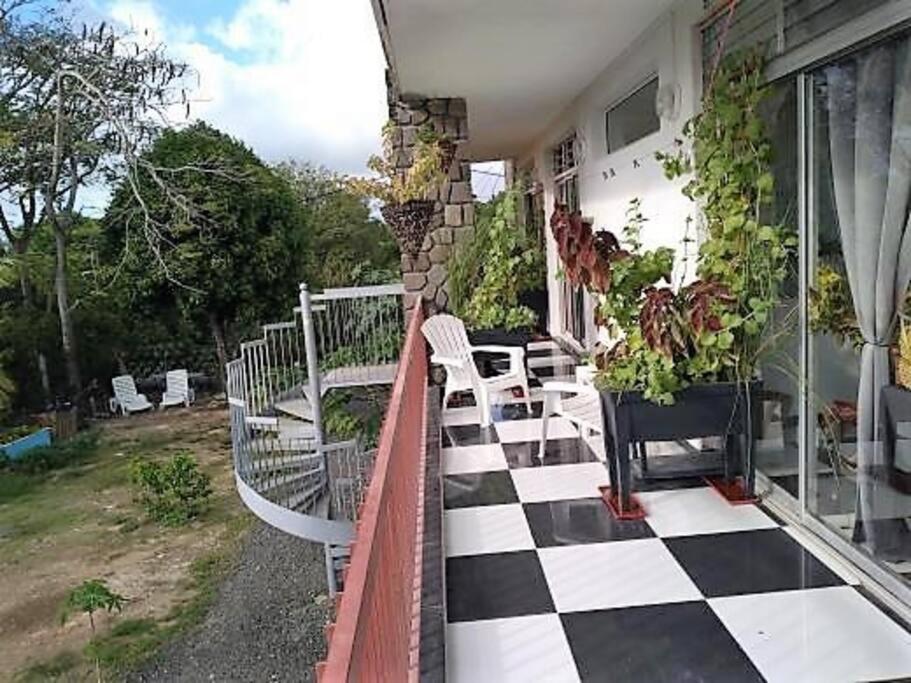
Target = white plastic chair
(128,399)
(177,390)
(446,334)
(579,403)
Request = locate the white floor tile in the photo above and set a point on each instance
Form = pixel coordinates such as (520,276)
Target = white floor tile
(615,574)
(466,415)
(825,635)
(543,346)
(520,649)
(469,459)
(517,431)
(559,482)
(687,512)
(486,529)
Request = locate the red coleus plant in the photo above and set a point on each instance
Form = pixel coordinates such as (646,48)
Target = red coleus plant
(661,322)
(585,254)
(704,302)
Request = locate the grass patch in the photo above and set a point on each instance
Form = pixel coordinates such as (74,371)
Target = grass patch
(51,670)
(133,641)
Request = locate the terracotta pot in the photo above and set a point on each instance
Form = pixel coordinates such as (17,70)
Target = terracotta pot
(409,222)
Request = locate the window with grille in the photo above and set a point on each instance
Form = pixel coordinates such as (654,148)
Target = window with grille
(564,155)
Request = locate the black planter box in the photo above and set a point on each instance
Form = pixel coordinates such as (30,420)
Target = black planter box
(497,337)
(727,410)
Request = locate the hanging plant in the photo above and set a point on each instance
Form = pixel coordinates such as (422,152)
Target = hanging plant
(406,193)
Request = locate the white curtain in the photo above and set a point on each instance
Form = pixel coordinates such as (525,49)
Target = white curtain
(869,110)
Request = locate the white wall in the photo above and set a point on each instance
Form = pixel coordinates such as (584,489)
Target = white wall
(670,48)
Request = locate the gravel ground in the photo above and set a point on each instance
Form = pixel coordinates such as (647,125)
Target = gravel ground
(266,623)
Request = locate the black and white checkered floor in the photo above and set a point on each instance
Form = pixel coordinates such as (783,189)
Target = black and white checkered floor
(543,584)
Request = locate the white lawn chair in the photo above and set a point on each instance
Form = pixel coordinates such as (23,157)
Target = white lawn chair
(579,403)
(177,390)
(451,349)
(127,398)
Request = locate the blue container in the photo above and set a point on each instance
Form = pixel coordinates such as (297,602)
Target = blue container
(19,447)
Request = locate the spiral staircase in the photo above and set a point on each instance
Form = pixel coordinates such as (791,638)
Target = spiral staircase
(285,470)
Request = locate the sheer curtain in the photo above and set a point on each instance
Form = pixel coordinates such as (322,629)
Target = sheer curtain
(869,109)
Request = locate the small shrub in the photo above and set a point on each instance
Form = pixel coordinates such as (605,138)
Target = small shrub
(89,597)
(173,492)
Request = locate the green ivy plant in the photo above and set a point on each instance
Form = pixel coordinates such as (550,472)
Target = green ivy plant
(730,160)
(716,328)
(487,273)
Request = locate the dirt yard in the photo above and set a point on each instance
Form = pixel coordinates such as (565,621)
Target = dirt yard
(81,522)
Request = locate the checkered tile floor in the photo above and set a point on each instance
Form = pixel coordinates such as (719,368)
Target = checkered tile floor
(544,585)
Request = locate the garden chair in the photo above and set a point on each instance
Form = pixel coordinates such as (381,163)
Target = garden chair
(128,399)
(177,390)
(451,349)
(578,402)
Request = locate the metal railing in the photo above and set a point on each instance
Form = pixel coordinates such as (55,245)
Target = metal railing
(374,637)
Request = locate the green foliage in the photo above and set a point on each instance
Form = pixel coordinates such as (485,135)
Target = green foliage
(172,493)
(732,182)
(716,328)
(7,389)
(348,247)
(89,597)
(487,273)
(228,252)
(632,274)
(832,308)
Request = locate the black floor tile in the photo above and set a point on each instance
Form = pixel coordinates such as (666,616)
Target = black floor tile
(556,452)
(545,372)
(674,642)
(515,411)
(749,562)
(585,520)
(485,488)
(496,586)
(467,435)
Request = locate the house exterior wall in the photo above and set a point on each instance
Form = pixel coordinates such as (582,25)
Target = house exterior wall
(671,49)
(425,273)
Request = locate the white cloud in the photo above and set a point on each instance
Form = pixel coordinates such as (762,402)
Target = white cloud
(296,79)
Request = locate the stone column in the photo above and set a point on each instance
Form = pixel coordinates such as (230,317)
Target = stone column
(426,273)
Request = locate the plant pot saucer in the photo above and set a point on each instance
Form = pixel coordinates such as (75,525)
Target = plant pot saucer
(733,491)
(635,511)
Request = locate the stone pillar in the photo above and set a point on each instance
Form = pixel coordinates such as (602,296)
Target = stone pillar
(426,272)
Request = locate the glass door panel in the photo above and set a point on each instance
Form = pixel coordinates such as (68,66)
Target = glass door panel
(859,424)
(777,446)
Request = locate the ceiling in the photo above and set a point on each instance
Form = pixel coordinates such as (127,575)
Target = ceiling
(518,63)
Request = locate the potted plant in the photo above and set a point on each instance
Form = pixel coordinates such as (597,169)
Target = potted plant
(489,274)
(408,193)
(686,362)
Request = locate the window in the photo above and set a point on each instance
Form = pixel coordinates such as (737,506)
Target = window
(564,155)
(633,118)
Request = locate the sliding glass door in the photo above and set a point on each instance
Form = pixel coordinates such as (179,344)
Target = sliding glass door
(858,258)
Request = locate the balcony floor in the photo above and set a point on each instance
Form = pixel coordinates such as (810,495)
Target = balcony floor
(542,584)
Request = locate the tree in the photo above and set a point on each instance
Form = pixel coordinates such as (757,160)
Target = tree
(235,259)
(89,597)
(76,109)
(349,246)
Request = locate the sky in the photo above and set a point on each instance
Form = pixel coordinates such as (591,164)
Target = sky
(294,79)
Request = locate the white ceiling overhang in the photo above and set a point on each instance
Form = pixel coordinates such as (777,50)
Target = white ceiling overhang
(518,63)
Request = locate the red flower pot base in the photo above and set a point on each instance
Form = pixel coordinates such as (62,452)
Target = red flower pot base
(635,511)
(733,492)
